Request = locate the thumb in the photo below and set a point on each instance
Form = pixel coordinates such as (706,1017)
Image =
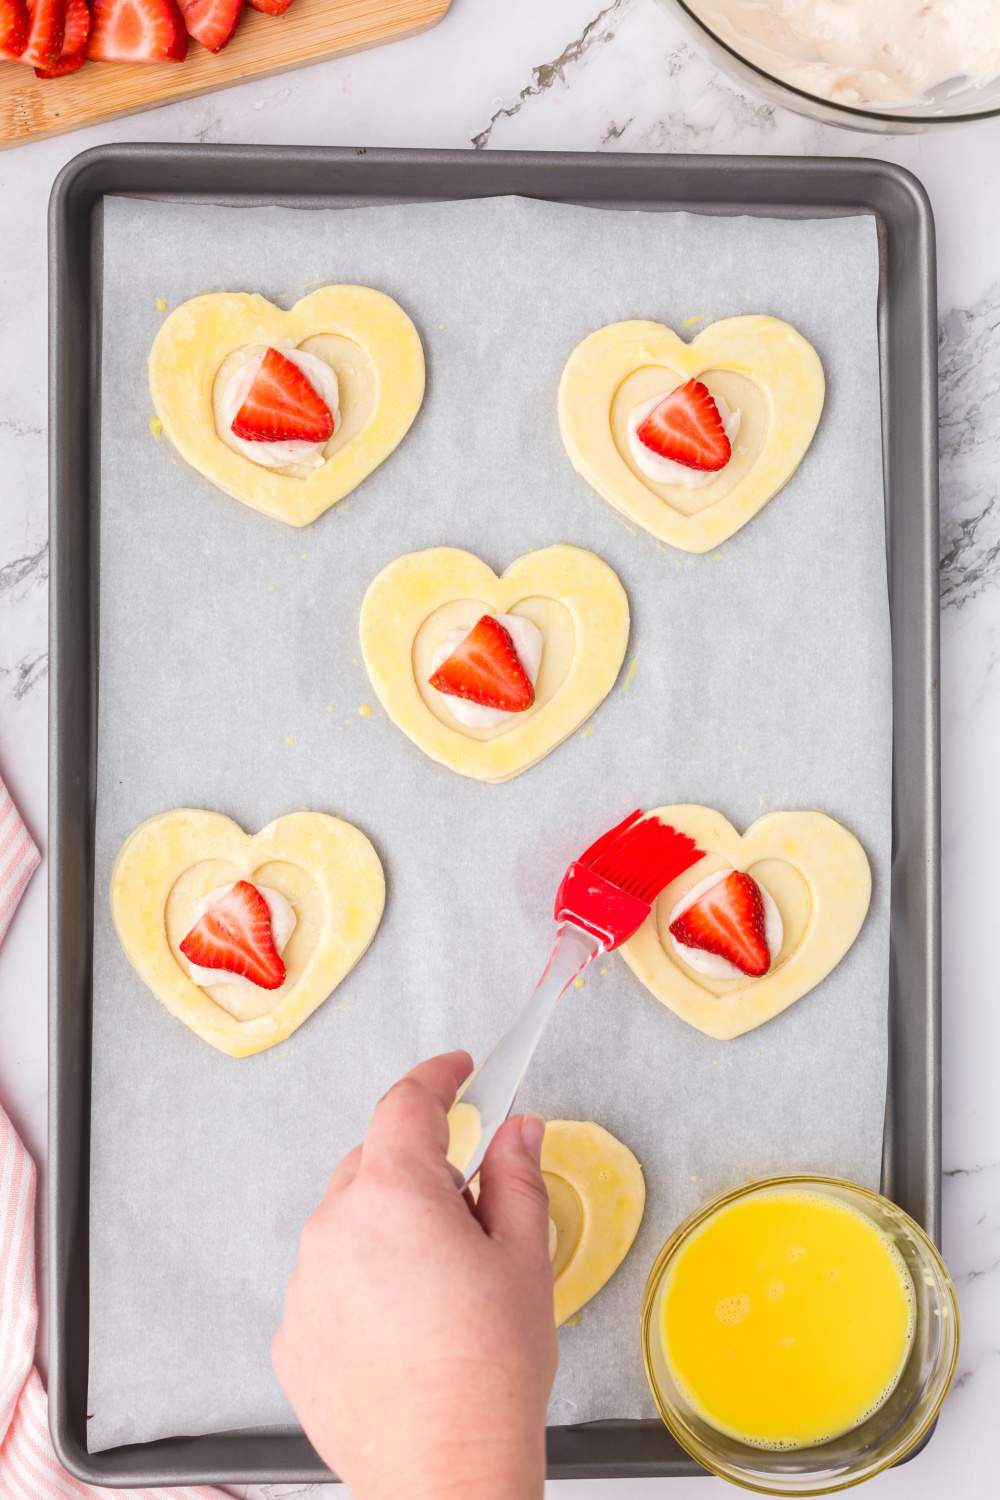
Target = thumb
(513,1202)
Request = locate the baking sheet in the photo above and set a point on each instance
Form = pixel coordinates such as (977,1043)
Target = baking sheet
(761,680)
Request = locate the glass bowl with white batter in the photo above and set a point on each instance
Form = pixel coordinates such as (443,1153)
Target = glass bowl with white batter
(882,65)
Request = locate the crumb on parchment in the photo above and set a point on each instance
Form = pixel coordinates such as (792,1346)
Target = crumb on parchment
(155,427)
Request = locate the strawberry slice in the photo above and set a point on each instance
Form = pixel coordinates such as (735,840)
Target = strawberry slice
(282,405)
(75,36)
(68,63)
(15,25)
(686,427)
(270,7)
(235,936)
(485,668)
(45,33)
(729,920)
(211,22)
(136,31)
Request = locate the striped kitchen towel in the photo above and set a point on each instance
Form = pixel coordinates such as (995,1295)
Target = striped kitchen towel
(19,858)
(29,1469)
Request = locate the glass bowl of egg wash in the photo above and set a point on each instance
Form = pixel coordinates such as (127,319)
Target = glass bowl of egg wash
(799,1335)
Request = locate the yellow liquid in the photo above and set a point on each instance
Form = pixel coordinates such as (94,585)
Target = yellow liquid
(787,1319)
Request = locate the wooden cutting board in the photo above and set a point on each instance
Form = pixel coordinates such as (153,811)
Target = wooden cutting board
(312,31)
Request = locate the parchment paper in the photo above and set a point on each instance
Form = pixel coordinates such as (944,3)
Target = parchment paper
(230,678)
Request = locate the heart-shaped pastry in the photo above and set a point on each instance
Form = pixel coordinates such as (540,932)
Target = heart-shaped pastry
(359,354)
(816,885)
(596,1200)
(569,614)
(322,872)
(763,377)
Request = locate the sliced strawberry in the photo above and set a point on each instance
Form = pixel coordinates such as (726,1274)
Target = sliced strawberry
(75,36)
(15,24)
(270,7)
(729,920)
(235,936)
(45,33)
(68,63)
(485,668)
(211,22)
(77,27)
(282,405)
(137,31)
(687,428)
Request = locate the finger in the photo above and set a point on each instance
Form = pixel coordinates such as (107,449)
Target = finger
(468,1193)
(513,1201)
(343,1174)
(346,1171)
(410,1122)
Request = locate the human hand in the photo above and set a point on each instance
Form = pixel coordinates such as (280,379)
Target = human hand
(418,1344)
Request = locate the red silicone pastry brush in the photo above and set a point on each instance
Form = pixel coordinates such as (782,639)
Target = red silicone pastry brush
(605,896)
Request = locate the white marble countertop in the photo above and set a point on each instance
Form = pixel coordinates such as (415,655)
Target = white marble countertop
(568,75)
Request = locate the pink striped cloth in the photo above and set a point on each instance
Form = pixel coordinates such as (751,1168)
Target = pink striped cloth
(19,858)
(29,1469)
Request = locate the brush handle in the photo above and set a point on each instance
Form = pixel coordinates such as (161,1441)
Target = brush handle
(492,1088)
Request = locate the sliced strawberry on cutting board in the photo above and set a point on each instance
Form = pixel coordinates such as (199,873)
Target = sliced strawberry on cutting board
(729,920)
(136,31)
(45,33)
(15,24)
(235,936)
(485,668)
(68,63)
(211,22)
(282,405)
(270,7)
(75,36)
(686,427)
